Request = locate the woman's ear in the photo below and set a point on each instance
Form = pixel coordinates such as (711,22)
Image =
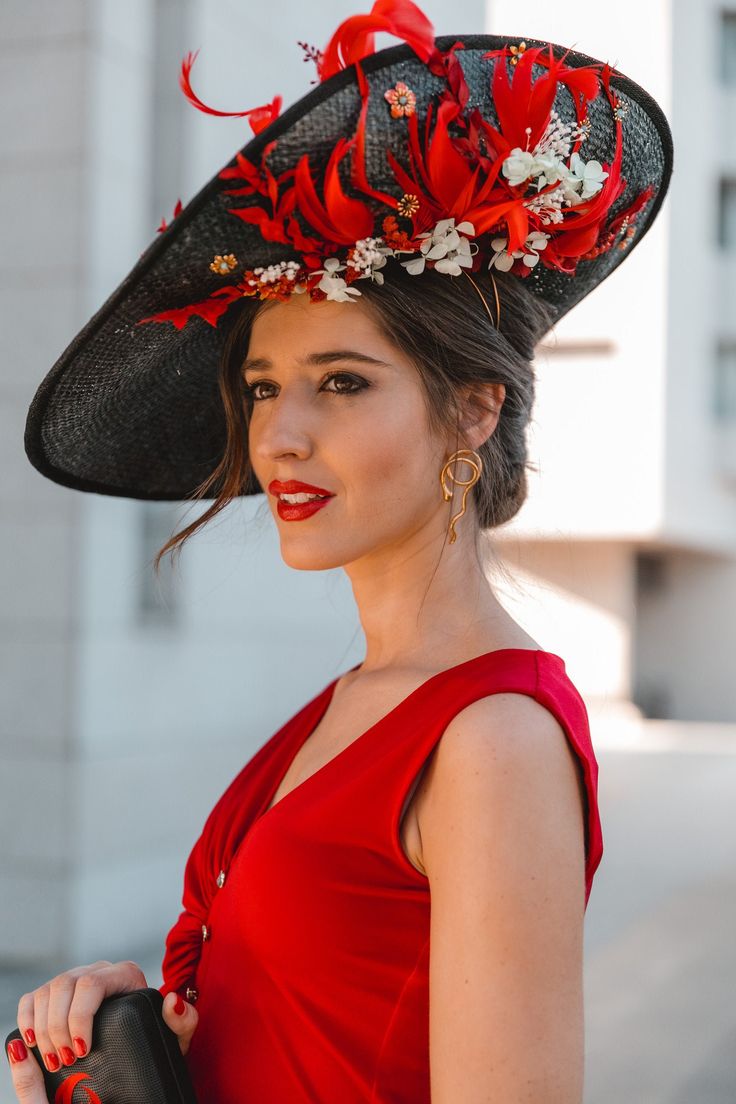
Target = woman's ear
(479,412)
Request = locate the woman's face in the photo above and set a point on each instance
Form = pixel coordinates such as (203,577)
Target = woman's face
(338,407)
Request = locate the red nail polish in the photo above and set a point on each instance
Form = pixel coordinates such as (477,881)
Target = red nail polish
(30,1035)
(17,1051)
(52,1061)
(67,1055)
(80,1047)
(179,1007)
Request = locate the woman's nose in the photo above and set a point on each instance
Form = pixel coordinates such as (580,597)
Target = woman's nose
(284,431)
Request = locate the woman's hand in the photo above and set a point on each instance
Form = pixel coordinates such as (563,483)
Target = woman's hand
(57,1017)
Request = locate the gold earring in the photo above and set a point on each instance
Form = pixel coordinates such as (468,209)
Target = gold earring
(464,456)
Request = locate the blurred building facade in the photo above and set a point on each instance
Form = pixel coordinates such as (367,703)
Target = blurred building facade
(128,703)
(629,532)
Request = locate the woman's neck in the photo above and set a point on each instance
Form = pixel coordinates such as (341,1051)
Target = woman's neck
(427,602)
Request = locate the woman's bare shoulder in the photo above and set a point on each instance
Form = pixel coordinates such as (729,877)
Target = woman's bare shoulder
(502,762)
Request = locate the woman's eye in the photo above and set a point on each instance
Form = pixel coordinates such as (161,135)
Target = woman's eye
(251,389)
(345,384)
(356,384)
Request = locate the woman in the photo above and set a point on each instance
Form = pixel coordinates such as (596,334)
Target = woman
(387,903)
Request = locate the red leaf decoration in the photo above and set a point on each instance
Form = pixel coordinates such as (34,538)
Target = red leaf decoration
(260,116)
(177,211)
(301,241)
(271,229)
(447,66)
(449,173)
(354,39)
(209,309)
(341,220)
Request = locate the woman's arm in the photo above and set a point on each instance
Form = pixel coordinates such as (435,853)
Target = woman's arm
(502,831)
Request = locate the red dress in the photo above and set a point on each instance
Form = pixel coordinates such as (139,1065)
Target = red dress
(305,928)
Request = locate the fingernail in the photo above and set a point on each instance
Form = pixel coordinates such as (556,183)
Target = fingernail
(80,1047)
(180,1007)
(17,1051)
(52,1061)
(30,1035)
(67,1056)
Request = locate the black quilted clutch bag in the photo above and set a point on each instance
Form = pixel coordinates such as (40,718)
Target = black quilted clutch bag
(134,1058)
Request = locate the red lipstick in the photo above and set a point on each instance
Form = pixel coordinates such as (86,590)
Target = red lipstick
(293,486)
(298,511)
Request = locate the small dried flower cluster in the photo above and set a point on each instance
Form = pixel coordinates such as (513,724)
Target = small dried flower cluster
(223,266)
(276,281)
(403,101)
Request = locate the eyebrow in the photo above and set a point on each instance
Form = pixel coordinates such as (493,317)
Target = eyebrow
(330,357)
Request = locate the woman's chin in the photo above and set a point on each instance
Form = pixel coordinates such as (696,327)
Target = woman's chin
(309,557)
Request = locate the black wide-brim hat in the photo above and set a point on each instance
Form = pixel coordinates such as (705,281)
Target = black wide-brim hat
(134,409)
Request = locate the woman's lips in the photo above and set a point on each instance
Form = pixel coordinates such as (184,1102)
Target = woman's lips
(294,486)
(298,511)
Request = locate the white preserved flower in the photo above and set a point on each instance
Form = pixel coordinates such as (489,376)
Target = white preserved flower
(334,286)
(332,265)
(588,174)
(337,289)
(518,166)
(447,246)
(550,169)
(547,165)
(503,260)
(416,265)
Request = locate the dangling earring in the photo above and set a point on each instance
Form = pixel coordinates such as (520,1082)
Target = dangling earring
(464,456)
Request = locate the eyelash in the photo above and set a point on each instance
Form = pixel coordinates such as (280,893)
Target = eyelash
(361,385)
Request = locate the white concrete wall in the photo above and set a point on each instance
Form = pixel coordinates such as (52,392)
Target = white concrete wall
(577,599)
(41,278)
(686,638)
(598,429)
(700,497)
(626,443)
(118,731)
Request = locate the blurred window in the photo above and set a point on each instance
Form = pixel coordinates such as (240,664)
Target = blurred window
(727,213)
(158,597)
(728,47)
(725,383)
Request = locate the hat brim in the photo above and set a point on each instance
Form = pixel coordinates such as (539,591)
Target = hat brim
(134,410)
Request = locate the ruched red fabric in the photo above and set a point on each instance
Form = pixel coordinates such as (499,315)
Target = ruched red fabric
(305,929)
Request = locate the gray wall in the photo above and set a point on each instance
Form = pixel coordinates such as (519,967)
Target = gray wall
(127,705)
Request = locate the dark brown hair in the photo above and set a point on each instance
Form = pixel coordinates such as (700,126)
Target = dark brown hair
(439,322)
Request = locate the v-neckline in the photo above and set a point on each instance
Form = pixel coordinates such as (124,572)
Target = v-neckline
(322,701)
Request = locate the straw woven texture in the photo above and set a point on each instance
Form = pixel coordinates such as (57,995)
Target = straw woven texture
(134,410)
